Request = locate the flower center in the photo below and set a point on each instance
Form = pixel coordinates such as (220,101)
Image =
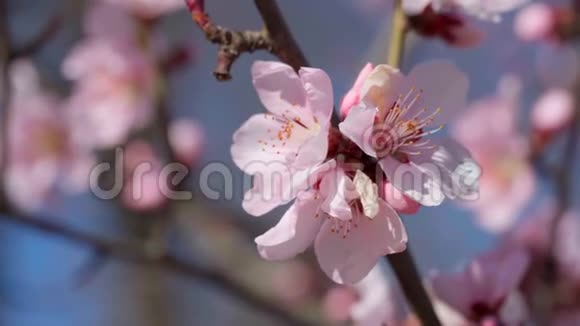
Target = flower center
(402,127)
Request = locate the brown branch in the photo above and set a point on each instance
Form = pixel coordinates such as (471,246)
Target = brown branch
(412,286)
(5,98)
(36,43)
(275,38)
(140,255)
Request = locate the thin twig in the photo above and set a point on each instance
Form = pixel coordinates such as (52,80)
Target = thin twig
(398,35)
(138,254)
(275,38)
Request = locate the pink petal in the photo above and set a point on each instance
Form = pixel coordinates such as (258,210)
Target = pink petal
(295,231)
(281,90)
(415,7)
(536,22)
(349,259)
(270,189)
(399,201)
(450,96)
(353,96)
(358,127)
(319,93)
(382,86)
(338,190)
(553,111)
(420,182)
(252,145)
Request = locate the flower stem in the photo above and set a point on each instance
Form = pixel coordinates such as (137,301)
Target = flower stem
(398,34)
(402,263)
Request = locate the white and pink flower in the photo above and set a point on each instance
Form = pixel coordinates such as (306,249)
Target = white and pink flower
(395,120)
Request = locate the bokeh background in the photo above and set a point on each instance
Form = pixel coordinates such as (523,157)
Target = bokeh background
(43,279)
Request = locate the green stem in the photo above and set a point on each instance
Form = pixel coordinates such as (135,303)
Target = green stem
(398,34)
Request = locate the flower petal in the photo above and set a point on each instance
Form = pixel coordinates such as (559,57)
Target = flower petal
(450,95)
(270,189)
(382,87)
(296,230)
(338,190)
(319,93)
(421,182)
(358,127)
(281,90)
(415,7)
(252,144)
(349,259)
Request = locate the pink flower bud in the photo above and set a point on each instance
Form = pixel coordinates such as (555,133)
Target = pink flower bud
(536,22)
(187,139)
(553,111)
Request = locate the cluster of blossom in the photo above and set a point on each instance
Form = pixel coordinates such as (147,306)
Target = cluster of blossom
(117,73)
(349,184)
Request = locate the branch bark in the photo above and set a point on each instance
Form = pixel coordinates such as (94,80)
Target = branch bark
(275,38)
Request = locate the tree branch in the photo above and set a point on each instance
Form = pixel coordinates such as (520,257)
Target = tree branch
(5,92)
(138,254)
(46,33)
(275,38)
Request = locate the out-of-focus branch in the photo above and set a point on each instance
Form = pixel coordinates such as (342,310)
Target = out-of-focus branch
(37,42)
(275,38)
(5,58)
(138,254)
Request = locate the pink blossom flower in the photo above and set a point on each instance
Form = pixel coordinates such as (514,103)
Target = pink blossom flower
(42,155)
(352,97)
(552,113)
(149,8)
(480,291)
(371,302)
(142,170)
(535,22)
(187,140)
(394,122)
(348,241)
(280,148)
(488,130)
(488,10)
(114,93)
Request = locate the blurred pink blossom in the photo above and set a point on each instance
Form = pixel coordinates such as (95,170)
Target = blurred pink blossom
(488,129)
(480,291)
(449,26)
(338,302)
(371,302)
(42,155)
(149,8)
(142,170)
(535,22)
(394,123)
(294,282)
(553,112)
(280,148)
(187,140)
(114,91)
(487,10)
